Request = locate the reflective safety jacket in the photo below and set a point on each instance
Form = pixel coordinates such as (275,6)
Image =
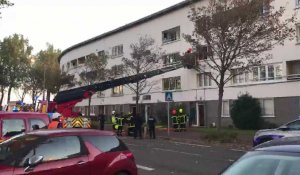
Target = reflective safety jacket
(113,119)
(53,125)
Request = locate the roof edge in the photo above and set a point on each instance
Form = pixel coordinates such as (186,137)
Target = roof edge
(129,25)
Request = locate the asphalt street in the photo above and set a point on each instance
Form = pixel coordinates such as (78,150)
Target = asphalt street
(163,157)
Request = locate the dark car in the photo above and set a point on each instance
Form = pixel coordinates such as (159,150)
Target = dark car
(66,152)
(277,157)
(290,129)
(14,123)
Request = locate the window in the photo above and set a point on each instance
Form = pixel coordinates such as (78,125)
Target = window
(298,32)
(74,63)
(172,83)
(225,109)
(204,79)
(204,52)
(106,143)
(240,77)
(295,125)
(118,90)
(267,72)
(171,35)
(101,53)
(171,58)
(81,60)
(38,122)
(297,3)
(146,97)
(12,127)
(267,107)
(57,148)
(117,70)
(117,51)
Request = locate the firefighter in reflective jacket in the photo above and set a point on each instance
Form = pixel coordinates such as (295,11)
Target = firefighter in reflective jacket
(175,120)
(181,120)
(55,123)
(113,120)
(119,127)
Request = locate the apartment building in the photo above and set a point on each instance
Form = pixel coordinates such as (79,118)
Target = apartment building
(276,83)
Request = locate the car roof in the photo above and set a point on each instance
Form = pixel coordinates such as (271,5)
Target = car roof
(21,113)
(286,144)
(70,132)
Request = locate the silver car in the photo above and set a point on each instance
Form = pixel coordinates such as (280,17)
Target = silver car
(288,130)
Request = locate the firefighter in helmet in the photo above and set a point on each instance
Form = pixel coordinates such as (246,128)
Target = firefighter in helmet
(181,120)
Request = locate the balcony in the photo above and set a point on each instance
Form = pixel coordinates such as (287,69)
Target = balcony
(293,70)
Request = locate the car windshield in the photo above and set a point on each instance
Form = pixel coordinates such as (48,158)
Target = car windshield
(12,149)
(266,163)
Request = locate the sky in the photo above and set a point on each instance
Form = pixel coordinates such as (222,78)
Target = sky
(64,23)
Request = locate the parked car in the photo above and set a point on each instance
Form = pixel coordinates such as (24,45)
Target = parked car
(13,123)
(66,151)
(288,130)
(277,157)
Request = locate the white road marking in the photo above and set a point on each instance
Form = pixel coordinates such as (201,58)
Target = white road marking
(190,144)
(173,151)
(144,168)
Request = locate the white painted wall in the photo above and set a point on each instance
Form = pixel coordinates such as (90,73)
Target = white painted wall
(190,91)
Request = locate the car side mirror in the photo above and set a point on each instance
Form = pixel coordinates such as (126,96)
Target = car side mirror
(32,162)
(283,128)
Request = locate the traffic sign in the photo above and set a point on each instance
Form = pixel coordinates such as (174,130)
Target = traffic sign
(168,96)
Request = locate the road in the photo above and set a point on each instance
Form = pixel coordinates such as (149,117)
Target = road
(163,157)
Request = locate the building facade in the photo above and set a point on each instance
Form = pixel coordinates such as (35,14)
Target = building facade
(276,83)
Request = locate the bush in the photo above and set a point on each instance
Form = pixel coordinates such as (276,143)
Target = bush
(246,113)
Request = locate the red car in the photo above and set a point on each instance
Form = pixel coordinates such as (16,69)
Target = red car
(66,152)
(14,123)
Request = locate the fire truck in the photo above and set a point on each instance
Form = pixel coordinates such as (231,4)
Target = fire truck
(65,101)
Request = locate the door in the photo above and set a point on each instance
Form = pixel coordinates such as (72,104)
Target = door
(201,115)
(61,156)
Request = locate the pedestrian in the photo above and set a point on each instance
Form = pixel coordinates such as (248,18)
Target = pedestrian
(151,126)
(101,121)
(138,122)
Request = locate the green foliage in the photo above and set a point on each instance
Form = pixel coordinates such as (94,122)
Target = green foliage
(15,59)
(246,113)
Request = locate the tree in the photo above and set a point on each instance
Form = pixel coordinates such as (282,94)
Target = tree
(5,3)
(232,36)
(47,62)
(246,113)
(144,58)
(94,71)
(15,54)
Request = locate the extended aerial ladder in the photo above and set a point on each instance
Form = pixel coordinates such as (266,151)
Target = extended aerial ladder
(66,100)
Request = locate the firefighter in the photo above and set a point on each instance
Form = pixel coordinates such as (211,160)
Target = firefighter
(113,120)
(181,120)
(120,125)
(55,123)
(175,120)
